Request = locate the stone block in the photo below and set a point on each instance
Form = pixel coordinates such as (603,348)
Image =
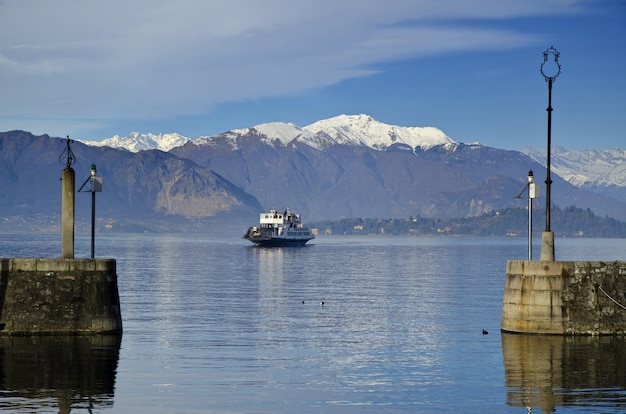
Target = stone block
(80,265)
(22,265)
(541,297)
(105,265)
(53,265)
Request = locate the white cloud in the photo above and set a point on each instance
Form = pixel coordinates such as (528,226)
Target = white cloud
(155,58)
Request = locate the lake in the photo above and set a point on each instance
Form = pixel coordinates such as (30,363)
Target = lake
(346,324)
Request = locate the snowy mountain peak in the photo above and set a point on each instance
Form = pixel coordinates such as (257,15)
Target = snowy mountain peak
(366,131)
(272,131)
(135,142)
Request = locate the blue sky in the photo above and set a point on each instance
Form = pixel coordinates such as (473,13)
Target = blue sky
(92,70)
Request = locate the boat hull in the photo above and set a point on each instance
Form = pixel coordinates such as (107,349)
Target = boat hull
(278,242)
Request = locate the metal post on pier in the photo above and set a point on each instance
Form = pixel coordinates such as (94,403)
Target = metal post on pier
(95,187)
(533,192)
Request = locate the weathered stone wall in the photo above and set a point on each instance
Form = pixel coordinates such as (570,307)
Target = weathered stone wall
(595,298)
(550,297)
(59,297)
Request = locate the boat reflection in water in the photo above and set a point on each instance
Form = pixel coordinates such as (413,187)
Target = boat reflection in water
(560,371)
(75,372)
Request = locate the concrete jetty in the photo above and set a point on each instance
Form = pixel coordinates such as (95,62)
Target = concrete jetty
(565,298)
(59,297)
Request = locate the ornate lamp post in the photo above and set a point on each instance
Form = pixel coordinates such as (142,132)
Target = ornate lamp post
(550,71)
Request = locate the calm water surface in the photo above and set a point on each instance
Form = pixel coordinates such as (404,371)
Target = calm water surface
(215,325)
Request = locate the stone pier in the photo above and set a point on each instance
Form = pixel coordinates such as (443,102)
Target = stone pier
(576,298)
(59,297)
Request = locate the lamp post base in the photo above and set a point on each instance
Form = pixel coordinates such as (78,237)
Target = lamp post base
(547,246)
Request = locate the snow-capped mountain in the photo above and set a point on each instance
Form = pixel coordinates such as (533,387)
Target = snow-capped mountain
(363,130)
(355,130)
(588,168)
(136,142)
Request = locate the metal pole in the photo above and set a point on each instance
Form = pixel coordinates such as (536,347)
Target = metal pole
(93,223)
(532,193)
(548,179)
(530,226)
(96,185)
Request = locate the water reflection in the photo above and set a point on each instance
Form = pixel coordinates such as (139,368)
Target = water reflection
(556,371)
(58,374)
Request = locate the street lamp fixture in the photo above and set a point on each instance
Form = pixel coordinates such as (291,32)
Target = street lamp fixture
(550,71)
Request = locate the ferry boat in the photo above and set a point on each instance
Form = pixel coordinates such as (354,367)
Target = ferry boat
(277,229)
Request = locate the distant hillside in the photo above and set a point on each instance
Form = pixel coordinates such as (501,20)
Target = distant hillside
(569,222)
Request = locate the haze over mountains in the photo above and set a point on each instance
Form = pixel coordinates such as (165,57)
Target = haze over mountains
(346,166)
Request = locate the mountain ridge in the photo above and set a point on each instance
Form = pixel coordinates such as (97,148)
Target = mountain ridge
(346,166)
(358,130)
(601,170)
